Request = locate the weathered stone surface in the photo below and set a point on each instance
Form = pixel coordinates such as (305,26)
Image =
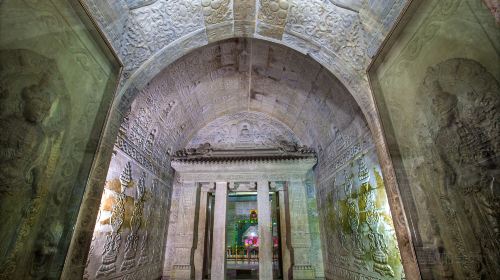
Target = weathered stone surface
(222,79)
(197,100)
(243,130)
(129,230)
(55,89)
(445,135)
(138,30)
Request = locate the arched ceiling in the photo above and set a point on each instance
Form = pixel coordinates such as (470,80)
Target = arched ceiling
(342,35)
(243,75)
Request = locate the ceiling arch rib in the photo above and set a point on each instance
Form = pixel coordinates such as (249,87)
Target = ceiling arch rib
(340,32)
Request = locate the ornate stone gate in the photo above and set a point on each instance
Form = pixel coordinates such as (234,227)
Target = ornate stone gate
(205,170)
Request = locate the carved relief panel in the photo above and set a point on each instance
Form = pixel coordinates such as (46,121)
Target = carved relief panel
(243,130)
(128,236)
(361,239)
(445,136)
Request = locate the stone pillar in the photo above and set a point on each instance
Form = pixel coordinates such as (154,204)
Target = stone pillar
(265,231)
(184,237)
(285,250)
(218,270)
(299,231)
(202,223)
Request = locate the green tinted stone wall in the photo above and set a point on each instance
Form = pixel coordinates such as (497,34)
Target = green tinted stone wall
(56,84)
(437,89)
(358,236)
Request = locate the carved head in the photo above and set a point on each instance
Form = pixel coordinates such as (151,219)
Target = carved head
(37,103)
(444,105)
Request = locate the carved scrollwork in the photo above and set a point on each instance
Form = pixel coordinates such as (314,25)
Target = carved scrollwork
(273,12)
(216,11)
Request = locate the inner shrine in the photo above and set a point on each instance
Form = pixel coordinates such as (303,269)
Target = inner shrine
(247,204)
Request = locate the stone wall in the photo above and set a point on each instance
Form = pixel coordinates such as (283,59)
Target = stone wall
(201,97)
(134,246)
(313,217)
(129,235)
(357,231)
(173,221)
(57,81)
(443,134)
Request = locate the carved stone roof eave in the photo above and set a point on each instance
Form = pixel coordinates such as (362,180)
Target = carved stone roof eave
(255,165)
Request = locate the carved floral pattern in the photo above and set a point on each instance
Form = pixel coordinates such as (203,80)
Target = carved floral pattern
(328,25)
(273,12)
(148,30)
(216,11)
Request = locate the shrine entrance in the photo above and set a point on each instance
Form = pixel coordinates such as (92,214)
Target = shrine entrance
(248,203)
(242,236)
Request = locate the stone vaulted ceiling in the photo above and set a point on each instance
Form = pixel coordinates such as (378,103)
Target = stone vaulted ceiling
(245,80)
(300,62)
(342,35)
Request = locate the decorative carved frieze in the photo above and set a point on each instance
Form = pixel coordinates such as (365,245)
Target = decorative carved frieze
(216,11)
(267,165)
(328,25)
(244,130)
(273,12)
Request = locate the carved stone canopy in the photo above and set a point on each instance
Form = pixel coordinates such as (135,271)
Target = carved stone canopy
(206,153)
(290,162)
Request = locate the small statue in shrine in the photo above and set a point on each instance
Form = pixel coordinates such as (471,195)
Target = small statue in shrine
(253,216)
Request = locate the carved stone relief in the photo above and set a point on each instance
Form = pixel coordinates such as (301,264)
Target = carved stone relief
(464,128)
(134,22)
(354,211)
(273,12)
(243,130)
(135,4)
(149,29)
(327,25)
(353,5)
(216,11)
(33,121)
(128,236)
(445,136)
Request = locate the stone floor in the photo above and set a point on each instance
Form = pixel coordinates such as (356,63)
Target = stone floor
(243,271)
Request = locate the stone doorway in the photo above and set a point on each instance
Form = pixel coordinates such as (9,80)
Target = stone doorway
(242,236)
(268,184)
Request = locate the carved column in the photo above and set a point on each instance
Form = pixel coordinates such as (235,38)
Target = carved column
(202,223)
(184,238)
(218,270)
(299,229)
(265,231)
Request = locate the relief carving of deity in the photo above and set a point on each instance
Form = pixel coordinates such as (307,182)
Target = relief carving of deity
(465,128)
(28,105)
